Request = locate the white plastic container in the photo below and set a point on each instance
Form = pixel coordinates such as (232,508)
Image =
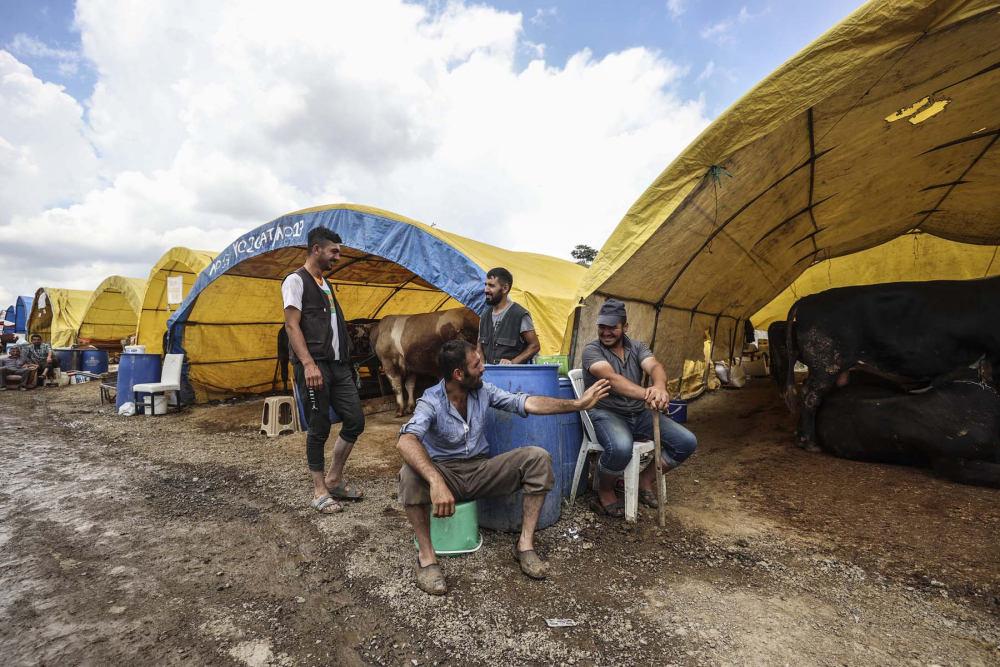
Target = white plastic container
(158,406)
(135,349)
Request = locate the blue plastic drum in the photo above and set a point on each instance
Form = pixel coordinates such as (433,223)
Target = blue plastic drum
(506,431)
(136,369)
(570,438)
(94,361)
(69,359)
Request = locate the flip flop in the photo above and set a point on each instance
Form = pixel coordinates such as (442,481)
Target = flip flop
(345,492)
(323,502)
(649,499)
(615,510)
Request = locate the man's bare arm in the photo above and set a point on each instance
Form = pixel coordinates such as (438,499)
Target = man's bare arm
(416,457)
(532,348)
(546,405)
(619,383)
(657,393)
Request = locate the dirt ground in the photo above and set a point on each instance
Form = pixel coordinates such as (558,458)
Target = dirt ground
(187,540)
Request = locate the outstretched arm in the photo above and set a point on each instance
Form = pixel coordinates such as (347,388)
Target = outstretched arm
(546,405)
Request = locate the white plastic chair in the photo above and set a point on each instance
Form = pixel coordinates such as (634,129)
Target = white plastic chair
(170,380)
(590,445)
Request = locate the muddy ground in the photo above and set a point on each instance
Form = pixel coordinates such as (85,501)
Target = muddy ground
(187,540)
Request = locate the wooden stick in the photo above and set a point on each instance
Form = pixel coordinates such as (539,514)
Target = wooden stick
(661,487)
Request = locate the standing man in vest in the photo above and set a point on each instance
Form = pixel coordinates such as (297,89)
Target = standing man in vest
(319,349)
(506,332)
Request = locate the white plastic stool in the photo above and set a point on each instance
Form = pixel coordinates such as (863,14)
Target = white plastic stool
(278,417)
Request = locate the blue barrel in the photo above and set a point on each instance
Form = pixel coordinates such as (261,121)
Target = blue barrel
(506,431)
(570,438)
(69,359)
(94,361)
(136,369)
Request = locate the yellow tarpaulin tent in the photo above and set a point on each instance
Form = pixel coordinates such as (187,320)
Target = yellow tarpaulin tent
(227,325)
(56,314)
(885,125)
(908,257)
(177,264)
(112,312)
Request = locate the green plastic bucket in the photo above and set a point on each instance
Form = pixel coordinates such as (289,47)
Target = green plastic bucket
(457,534)
(561,360)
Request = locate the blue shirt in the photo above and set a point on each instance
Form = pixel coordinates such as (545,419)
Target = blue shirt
(444,434)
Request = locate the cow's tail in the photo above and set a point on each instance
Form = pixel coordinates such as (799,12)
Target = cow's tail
(788,391)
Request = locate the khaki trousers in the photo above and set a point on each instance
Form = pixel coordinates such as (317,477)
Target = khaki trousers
(527,469)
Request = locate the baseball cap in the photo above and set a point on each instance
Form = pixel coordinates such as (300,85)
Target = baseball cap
(612,312)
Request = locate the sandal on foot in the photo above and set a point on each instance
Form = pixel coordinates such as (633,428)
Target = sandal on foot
(345,492)
(323,503)
(615,510)
(649,499)
(429,578)
(531,564)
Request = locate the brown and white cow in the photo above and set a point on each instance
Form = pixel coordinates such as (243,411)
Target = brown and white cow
(408,346)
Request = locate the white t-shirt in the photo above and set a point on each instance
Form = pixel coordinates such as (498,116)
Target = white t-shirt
(291,294)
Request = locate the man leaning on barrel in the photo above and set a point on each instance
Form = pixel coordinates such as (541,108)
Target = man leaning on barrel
(506,332)
(622,417)
(445,456)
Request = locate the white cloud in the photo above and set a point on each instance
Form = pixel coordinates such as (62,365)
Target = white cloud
(706,73)
(675,8)
(67,60)
(720,32)
(541,14)
(212,118)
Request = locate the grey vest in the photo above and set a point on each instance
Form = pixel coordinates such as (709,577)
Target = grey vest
(315,323)
(504,341)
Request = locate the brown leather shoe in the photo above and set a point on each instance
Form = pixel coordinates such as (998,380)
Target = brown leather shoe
(429,579)
(531,564)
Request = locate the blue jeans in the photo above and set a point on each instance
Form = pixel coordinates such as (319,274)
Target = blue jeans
(616,432)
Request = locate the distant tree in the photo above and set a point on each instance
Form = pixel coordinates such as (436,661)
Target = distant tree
(583,254)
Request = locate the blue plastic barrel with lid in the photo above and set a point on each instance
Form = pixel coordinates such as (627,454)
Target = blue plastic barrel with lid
(136,369)
(69,359)
(507,431)
(94,361)
(570,439)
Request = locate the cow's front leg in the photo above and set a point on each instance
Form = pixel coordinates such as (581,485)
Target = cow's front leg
(411,387)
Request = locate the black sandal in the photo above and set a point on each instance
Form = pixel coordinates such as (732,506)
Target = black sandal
(615,510)
(649,499)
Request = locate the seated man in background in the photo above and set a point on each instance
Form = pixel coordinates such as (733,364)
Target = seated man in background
(445,456)
(17,364)
(622,418)
(40,354)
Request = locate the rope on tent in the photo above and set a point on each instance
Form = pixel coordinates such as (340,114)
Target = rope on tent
(716,172)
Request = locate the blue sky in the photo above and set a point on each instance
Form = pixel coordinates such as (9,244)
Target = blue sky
(190,122)
(743,41)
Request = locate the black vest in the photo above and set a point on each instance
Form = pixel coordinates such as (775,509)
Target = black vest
(315,322)
(504,341)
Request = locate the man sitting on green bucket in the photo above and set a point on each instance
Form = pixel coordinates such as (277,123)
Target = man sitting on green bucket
(445,456)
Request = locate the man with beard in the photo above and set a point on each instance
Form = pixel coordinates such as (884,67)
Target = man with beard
(319,349)
(444,451)
(622,417)
(506,332)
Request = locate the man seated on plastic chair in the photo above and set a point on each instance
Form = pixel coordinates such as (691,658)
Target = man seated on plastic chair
(622,418)
(445,456)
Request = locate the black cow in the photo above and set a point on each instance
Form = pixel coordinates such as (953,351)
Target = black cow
(925,331)
(777,363)
(955,427)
